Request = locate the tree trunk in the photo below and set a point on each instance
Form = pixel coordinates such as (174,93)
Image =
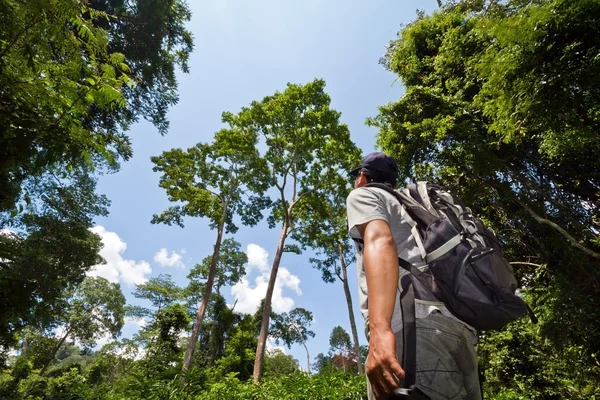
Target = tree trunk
(54,350)
(191,347)
(25,344)
(359,364)
(307,357)
(264,325)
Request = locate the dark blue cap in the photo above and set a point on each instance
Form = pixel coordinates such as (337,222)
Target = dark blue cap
(378,162)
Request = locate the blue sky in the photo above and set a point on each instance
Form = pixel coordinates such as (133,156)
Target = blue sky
(245,50)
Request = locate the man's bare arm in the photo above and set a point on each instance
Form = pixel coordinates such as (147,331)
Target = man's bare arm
(380,259)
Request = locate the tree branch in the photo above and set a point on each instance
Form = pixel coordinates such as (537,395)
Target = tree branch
(526,263)
(18,36)
(556,227)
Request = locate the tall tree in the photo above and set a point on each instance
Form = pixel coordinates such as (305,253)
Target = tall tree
(218,181)
(501,106)
(304,142)
(291,328)
(94,309)
(75,74)
(340,343)
(324,229)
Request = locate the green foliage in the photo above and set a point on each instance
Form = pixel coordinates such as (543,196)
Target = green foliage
(74,74)
(522,361)
(239,354)
(278,364)
(216,181)
(220,323)
(229,270)
(94,309)
(323,364)
(332,386)
(339,340)
(160,291)
(50,252)
(164,349)
(500,106)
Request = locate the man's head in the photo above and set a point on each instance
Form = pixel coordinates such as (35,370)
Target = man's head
(376,167)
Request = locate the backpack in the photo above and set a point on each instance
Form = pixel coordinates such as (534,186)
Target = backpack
(466,267)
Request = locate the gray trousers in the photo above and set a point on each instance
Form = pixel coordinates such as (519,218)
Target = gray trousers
(446,359)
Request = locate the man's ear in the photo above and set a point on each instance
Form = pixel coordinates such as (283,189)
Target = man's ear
(362,179)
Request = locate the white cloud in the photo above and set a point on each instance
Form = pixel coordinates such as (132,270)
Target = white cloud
(139,322)
(117,268)
(163,258)
(249,296)
(272,347)
(257,257)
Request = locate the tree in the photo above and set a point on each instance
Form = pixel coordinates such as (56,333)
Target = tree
(164,347)
(325,230)
(501,107)
(305,141)
(74,74)
(291,328)
(323,364)
(279,364)
(229,269)
(520,361)
(340,344)
(49,252)
(94,309)
(216,181)
(217,327)
(240,349)
(160,291)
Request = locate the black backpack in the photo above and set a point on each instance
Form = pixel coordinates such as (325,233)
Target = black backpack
(466,269)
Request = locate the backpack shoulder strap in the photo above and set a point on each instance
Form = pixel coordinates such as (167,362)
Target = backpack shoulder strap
(419,213)
(413,213)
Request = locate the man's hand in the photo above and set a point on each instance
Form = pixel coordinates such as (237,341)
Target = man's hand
(383,369)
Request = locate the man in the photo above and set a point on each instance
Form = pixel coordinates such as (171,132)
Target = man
(446,358)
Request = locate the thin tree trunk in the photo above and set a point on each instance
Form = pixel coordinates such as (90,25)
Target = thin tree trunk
(191,347)
(307,357)
(25,344)
(359,364)
(264,325)
(54,350)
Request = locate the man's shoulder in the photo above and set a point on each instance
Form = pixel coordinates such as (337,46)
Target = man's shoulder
(368,193)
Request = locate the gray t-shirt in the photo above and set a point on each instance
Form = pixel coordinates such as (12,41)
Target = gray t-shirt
(366,204)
